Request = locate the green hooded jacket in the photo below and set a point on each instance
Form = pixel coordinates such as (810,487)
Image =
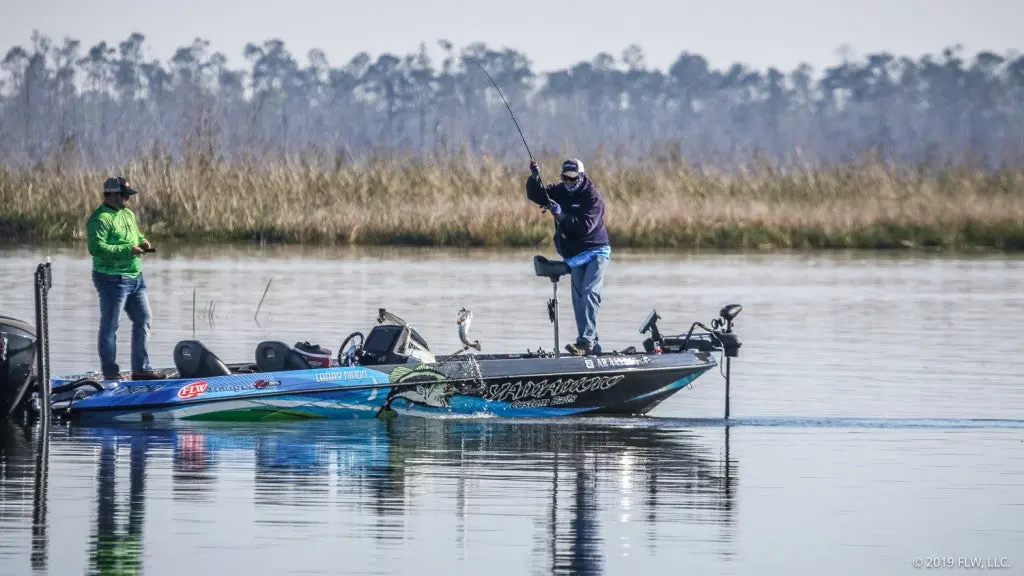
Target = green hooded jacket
(112,235)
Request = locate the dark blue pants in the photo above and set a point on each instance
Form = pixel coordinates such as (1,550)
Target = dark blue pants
(117,293)
(587,282)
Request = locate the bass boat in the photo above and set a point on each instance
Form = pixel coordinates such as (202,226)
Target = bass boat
(389,371)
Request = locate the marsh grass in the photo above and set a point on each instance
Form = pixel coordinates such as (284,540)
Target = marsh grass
(461,201)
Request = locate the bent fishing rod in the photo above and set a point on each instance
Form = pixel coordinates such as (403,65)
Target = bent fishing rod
(516,122)
(506,104)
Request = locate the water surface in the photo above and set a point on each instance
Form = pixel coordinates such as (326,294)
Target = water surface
(877,416)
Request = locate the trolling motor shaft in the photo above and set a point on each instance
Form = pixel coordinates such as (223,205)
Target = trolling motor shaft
(552,270)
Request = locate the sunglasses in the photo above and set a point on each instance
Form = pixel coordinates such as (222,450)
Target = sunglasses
(569,178)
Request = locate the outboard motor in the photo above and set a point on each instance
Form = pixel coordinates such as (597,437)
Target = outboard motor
(17,363)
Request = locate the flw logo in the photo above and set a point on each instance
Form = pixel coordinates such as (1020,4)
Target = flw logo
(192,390)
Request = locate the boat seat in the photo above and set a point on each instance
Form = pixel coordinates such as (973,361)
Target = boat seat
(550,268)
(194,360)
(274,356)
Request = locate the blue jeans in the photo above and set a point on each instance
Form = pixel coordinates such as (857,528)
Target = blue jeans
(117,292)
(587,281)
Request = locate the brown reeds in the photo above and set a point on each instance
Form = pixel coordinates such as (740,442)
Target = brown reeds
(480,202)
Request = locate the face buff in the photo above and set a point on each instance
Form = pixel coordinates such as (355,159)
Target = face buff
(572,167)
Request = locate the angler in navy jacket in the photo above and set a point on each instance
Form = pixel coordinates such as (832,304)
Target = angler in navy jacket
(581,239)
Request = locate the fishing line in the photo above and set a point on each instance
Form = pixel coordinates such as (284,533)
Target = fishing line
(506,104)
(516,122)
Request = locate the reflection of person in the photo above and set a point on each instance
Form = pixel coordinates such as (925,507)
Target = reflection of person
(581,239)
(114,550)
(116,246)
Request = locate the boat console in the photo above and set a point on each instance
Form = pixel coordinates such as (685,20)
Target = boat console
(392,341)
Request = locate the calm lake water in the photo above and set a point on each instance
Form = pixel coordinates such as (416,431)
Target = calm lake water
(877,417)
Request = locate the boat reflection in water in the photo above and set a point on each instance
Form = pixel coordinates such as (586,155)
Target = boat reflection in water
(24,458)
(579,475)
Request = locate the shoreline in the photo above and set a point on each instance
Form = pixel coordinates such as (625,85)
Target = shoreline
(1010,244)
(453,203)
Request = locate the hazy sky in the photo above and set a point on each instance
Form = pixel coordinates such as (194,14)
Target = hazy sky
(552,34)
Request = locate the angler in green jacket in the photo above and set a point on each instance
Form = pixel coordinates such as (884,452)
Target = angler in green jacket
(116,245)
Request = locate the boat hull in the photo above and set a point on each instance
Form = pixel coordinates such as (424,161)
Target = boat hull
(503,386)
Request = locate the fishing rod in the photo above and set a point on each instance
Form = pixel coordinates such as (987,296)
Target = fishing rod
(506,105)
(510,113)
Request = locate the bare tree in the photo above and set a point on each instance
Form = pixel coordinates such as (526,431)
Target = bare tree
(115,102)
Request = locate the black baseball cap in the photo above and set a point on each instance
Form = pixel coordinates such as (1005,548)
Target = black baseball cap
(118,185)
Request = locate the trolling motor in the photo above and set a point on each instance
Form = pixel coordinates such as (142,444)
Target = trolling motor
(716,338)
(552,270)
(729,341)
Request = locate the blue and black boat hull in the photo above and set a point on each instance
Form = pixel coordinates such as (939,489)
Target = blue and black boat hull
(470,386)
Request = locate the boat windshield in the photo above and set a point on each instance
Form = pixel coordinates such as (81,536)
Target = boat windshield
(381,339)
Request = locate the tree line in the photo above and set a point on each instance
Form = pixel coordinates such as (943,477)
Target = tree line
(103,105)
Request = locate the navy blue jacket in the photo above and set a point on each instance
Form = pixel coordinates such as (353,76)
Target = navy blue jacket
(582,226)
